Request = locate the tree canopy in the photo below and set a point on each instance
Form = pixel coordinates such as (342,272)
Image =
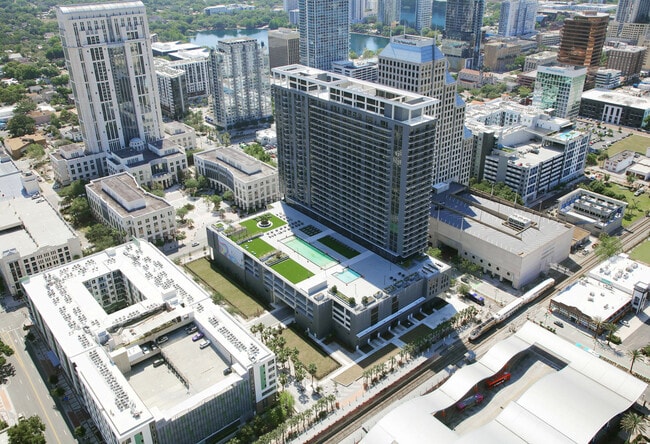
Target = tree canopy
(608,246)
(27,431)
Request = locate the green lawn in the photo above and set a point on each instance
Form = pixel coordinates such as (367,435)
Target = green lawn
(418,332)
(257,247)
(309,351)
(338,246)
(235,296)
(251,225)
(642,204)
(642,253)
(356,371)
(633,143)
(293,271)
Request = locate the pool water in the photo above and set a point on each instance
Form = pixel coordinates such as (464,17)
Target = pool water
(348,275)
(310,252)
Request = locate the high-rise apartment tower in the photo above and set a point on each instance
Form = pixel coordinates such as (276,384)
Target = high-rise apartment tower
(517,17)
(356,156)
(559,88)
(324,27)
(240,85)
(463,22)
(633,11)
(284,47)
(415,64)
(582,40)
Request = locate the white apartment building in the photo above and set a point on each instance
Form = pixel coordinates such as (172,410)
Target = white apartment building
(240,84)
(517,17)
(171,90)
(324,32)
(73,162)
(33,238)
(119,202)
(253,183)
(103,316)
(194,62)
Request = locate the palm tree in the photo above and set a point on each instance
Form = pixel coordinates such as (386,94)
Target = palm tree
(633,424)
(312,369)
(598,324)
(634,355)
(610,327)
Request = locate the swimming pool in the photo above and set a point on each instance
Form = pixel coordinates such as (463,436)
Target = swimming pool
(310,252)
(348,275)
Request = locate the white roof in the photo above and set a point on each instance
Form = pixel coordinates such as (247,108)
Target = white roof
(593,299)
(621,272)
(568,406)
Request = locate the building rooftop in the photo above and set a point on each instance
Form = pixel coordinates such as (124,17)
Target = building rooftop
(98,8)
(568,406)
(303,240)
(11,185)
(617,98)
(485,219)
(621,272)
(240,164)
(112,350)
(122,193)
(164,48)
(26,225)
(412,49)
(593,298)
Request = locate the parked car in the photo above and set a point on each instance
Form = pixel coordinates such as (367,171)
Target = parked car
(204,343)
(227,371)
(162,340)
(195,244)
(559,324)
(191,329)
(197,336)
(158,362)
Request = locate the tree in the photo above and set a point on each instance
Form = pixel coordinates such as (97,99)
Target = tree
(524,92)
(80,431)
(79,212)
(28,431)
(34,151)
(634,355)
(20,124)
(633,424)
(25,106)
(228,196)
(610,327)
(630,178)
(312,369)
(435,252)
(225,139)
(592,159)
(464,289)
(191,185)
(608,246)
(181,213)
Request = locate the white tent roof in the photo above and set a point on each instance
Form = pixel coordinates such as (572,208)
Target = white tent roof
(569,406)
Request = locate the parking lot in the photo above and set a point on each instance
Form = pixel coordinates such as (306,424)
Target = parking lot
(187,370)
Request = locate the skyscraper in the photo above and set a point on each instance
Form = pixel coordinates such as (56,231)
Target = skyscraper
(424,9)
(463,22)
(415,64)
(633,11)
(324,27)
(582,40)
(111,68)
(517,17)
(240,86)
(356,156)
(284,47)
(559,88)
(389,11)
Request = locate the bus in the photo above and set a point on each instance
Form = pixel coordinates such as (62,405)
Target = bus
(472,295)
(498,380)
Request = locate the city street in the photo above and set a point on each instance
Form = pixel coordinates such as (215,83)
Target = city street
(28,392)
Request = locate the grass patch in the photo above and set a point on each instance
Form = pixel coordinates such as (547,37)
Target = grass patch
(292,271)
(356,371)
(641,252)
(251,225)
(310,352)
(234,295)
(418,332)
(632,143)
(338,246)
(641,204)
(257,247)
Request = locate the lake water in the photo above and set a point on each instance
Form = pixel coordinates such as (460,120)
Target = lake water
(358,42)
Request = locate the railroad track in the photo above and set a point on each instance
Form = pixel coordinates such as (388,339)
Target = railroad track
(345,427)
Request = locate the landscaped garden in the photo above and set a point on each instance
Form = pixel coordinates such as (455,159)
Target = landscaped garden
(309,351)
(355,372)
(255,225)
(632,143)
(338,246)
(418,332)
(292,271)
(235,296)
(257,247)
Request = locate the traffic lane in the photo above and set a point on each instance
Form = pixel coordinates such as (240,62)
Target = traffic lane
(29,393)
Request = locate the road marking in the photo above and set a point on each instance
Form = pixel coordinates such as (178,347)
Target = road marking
(38,398)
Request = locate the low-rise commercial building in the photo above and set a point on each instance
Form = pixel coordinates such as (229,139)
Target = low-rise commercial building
(180,134)
(119,202)
(71,162)
(253,183)
(619,161)
(357,69)
(591,211)
(628,108)
(641,169)
(513,244)
(543,58)
(33,238)
(608,78)
(610,290)
(112,317)
(333,285)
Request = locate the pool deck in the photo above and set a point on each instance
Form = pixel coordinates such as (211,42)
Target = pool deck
(375,273)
